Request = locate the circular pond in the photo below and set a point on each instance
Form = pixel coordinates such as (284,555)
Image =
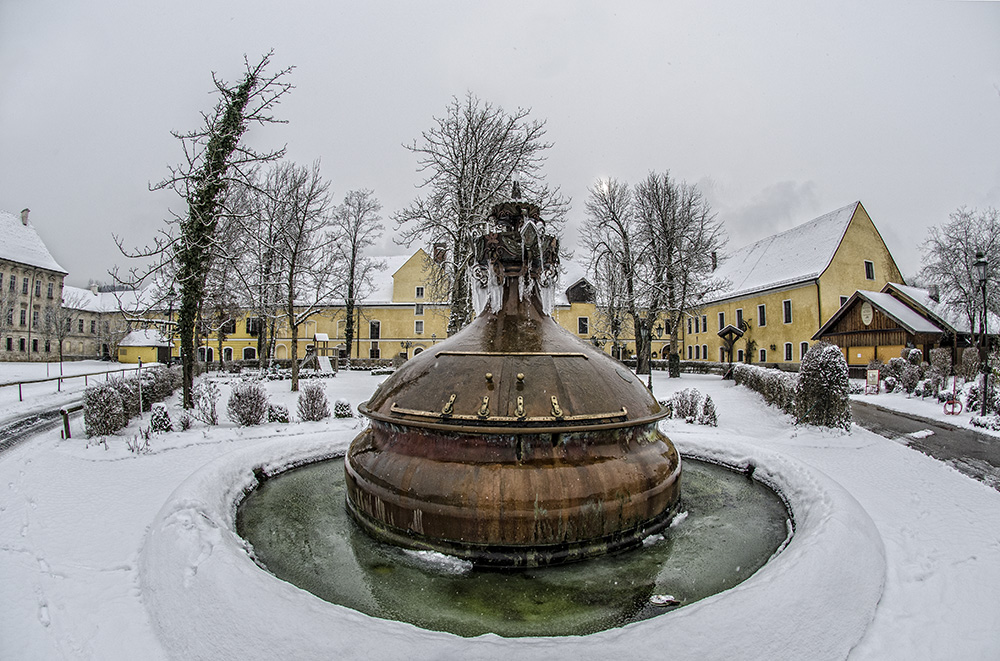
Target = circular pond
(728,528)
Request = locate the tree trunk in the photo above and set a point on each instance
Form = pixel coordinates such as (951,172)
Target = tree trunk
(295,355)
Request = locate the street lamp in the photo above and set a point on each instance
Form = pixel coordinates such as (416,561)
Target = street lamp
(405,346)
(980,265)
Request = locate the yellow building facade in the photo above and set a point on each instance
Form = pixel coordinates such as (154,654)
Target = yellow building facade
(785,287)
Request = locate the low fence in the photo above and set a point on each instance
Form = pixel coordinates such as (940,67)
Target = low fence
(66,377)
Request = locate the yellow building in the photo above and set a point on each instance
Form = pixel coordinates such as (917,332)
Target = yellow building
(148,345)
(785,287)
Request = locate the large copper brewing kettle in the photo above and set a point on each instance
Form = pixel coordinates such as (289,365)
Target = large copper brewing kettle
(513,443)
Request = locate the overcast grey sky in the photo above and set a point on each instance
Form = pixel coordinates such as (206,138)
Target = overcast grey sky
(781,111)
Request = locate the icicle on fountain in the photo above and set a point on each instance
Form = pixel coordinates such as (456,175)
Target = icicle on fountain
(513,443)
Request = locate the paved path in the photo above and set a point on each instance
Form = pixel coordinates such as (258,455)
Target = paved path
(976,455)
(14,431)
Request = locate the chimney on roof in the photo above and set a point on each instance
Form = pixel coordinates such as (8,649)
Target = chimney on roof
(715,260)
(934,292)
(440,253)
(24,216)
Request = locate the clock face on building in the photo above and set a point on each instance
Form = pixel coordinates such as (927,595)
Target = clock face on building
(866,313)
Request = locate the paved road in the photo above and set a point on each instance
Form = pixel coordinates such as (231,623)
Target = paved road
(976,455)
(15,431)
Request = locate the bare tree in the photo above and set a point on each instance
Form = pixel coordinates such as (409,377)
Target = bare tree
(214,157)
(305,247)
(357,225)
(949,253)
(651,250)
(681,240)
(8,300)
(57,323)
(470,159)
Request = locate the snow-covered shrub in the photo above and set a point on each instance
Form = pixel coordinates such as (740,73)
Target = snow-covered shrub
(915,357)
(342,409)
(970,364)
(277,413)
(139,444)
(206,396)
(857,387)
(986,422)
(973,397)
(247,404)
(777,387)
(910,378)
(941,361)
(894,368)
(128,391)
(891,383)
(103,412)
(159,419)
(185,421)
(875,364)
(822,393)
(383,372)
(707,414)
(685,403)
(164,381)
(312,402)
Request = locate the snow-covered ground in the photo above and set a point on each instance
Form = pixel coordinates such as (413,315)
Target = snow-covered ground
(74,518)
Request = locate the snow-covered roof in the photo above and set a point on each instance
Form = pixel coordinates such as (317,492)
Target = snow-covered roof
(383,279)
(149,337)
(87,300)
(796,255)
(945,313)
(906,316)
(22,244)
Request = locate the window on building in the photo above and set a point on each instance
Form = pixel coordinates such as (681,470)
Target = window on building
(22,344)
(803,350)
(722,320)
(249,353)
(739,355)
(761,315)
(763,355)
(228,327)
(69,325)
(722,354)
(24,286)
(690,326)
(690,352)
(50,291)
(34,345)
(48,346)
(582,325)
(786,311)
(374,331)
(13,282)
(10,316)
(34,318)
(697,352)
(93,327)
(704,351)
(788,351)
(373,351)
(24,318)
(869,270)
(38,288)
(79,326)
(419,293)
(418,309)
(697,327)
(10,344)
(1,280)
(739,317)
(843,301)
(253,326)
(704,322)
(418,327)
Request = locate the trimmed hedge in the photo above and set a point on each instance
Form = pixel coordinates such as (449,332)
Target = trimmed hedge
(777,387)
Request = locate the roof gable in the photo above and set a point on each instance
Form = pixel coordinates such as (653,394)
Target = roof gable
(791,257)
(22,244)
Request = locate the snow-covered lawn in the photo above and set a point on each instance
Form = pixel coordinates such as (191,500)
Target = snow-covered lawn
(74,518)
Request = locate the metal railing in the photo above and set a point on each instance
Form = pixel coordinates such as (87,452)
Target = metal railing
(66,377)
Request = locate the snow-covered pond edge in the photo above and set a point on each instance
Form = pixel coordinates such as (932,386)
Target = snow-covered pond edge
(207,598)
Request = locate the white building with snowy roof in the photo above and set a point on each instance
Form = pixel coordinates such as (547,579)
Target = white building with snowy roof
(31,285)
(783,288)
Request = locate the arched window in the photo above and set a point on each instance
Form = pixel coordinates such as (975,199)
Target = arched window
(227,354)
(803,350)
(249,353)
(704,351)
(418,350)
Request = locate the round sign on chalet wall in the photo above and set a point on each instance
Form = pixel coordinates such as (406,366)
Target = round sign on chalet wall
(867,313)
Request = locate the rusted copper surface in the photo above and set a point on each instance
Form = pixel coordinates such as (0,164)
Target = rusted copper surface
(513,442)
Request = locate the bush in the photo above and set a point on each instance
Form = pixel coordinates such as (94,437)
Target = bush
(891,383)
(987,422)
(821,395)
(342,409)
(277,413)
(894,369)
(707,415)
(685,403)
(159,420)
(206,395)
(970,364)
(910,378)
(777,387)
(103,413)
(941,361)
(915,357)
(312,402)
(247,404)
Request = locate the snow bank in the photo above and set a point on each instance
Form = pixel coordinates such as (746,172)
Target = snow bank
(208,600)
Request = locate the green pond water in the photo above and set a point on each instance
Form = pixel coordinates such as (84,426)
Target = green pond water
(300,531)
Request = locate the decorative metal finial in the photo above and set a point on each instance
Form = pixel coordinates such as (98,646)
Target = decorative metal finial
(516,193)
